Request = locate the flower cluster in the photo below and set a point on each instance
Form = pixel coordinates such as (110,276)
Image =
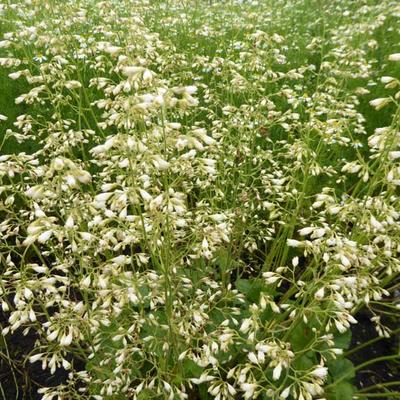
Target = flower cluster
(195,202)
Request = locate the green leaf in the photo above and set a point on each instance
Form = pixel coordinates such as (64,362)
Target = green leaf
(342,340)
(223,259)
(250,288)
(217,316)
(341,367)
(191,369)
(344,391)
(203,393)
(145,394)
(303,363)
(244,285)
(301,336)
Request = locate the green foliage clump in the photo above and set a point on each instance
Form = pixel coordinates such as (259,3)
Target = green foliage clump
(197,198)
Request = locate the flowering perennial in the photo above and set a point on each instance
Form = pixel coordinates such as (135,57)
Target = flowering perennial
(191,199)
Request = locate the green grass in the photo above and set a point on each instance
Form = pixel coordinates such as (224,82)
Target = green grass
(200,205)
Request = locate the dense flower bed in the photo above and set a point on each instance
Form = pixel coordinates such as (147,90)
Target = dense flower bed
(197,198)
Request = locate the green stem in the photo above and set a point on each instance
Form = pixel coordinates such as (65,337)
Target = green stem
(369,395)
(369,342)
(363,365)
(380,386)
(375,360)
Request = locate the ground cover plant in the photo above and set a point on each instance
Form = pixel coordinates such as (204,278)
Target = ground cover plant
(199,199)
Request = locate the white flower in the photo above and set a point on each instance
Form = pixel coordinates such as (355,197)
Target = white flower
(112,50)
(28,294)
(248,389)
(58,164)
(270,277)
(52,336)
(293,243)
(340,327)
(394,57)
(66,340)
(191,89)
(274,307)
(167,386)
(45,236)
(393,155)
(320,372)
(73,85)
(69,223)
(376,224)
(148,75)
(285,393)
(246,324)
(305,231)
(131,71)
(318,233)
(379,103)
(319,295)
(387,79)
(253,358)
(35,192)
(35,357)
(83,176)
(39,269)
(203,378)
(345,261)
(276,374)
(103,197)
(277,38)
(32,315)
(145,195)
(160,163)
(86,281)
(71,181)
(40,58)
(334,210)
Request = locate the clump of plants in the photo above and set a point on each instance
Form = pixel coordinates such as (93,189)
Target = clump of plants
(197,198)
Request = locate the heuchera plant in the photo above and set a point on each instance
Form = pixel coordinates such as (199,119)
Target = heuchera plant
(196,198)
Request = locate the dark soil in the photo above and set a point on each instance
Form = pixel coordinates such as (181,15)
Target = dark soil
(379,372)
(19,380)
